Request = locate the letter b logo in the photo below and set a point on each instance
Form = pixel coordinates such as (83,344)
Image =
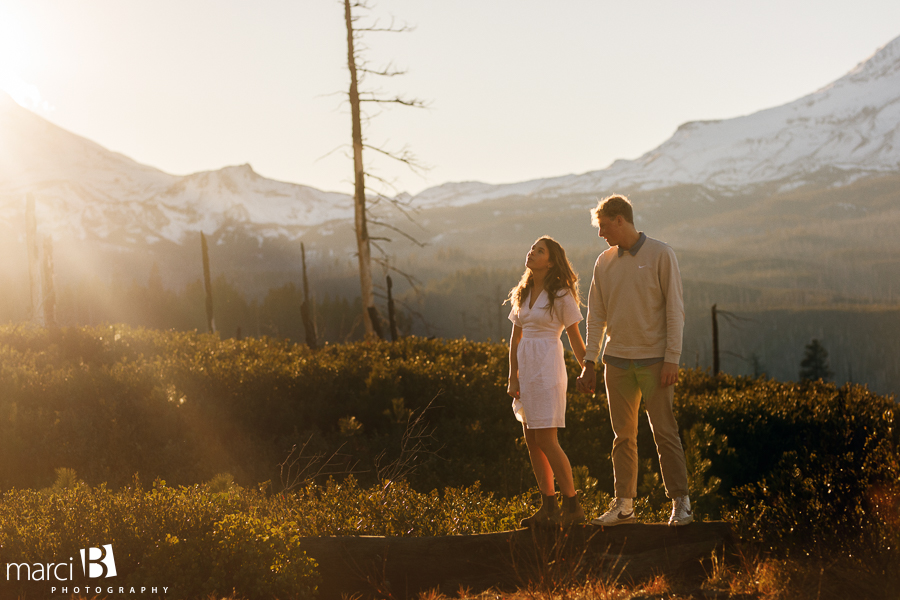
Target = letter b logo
(99,562)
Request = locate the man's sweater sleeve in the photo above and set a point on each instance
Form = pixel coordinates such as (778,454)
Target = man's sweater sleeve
(670,280)
(596,318)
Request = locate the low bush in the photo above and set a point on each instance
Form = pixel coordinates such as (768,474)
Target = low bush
(191,540)
(791,463)
(808,463)
(111,401)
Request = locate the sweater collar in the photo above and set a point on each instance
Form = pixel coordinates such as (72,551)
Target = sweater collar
(634,249)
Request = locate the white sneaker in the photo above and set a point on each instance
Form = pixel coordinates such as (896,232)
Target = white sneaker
(621,510)
(681,511)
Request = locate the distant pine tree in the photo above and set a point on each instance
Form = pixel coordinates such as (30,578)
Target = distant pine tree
(814,365)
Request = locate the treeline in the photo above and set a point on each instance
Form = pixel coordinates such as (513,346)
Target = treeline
(276,314)
(757,333)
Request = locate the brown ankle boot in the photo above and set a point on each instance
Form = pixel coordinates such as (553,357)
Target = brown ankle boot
(545,515)
(572,513)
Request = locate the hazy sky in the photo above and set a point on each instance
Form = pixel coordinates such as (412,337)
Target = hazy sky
(519,89)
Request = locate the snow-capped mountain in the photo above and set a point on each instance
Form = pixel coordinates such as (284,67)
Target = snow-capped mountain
(840,133)
(85,190)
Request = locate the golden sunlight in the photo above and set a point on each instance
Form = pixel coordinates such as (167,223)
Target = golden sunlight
(16,58)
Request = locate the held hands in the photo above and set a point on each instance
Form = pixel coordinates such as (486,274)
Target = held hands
(513,389)
(587,381)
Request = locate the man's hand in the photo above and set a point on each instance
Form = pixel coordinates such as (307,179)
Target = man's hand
(513,389)
(587,381)
(668,375)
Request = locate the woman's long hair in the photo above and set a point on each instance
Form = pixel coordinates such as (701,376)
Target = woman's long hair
(561,276)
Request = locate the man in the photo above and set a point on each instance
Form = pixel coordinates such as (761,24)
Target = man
(636,305)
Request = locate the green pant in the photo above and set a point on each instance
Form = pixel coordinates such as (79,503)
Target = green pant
(624,389)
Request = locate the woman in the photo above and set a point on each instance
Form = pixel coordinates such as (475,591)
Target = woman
(543,304)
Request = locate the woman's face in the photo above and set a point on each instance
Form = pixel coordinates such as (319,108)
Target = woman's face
(538,258)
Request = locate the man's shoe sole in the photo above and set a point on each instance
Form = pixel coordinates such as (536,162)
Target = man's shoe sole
(682,522)
(613,523)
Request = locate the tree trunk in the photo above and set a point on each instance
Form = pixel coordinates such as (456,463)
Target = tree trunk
(359,188)
(392,317)
(48,289)
(31,249)
(307,313)
(207,284)
(715,341)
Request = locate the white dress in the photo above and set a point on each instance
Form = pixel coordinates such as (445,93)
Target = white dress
(542,369)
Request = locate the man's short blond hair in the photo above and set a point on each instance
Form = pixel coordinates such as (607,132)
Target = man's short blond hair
(611,207)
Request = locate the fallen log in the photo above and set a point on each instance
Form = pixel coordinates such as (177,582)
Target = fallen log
(402,567)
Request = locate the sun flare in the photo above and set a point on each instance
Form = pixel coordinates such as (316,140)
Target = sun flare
(16,53)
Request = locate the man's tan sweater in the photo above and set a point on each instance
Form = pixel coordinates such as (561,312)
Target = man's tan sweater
(636,303)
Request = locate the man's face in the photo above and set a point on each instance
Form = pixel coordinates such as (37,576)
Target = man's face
(610,229)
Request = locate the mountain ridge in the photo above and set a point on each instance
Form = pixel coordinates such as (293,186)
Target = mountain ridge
(824,129)
(845,131)
(85,190)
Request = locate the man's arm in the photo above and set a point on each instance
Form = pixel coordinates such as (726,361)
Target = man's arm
(670,280)
(595,324)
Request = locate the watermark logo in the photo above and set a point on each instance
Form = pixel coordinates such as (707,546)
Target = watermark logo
(95,562)
(99,562)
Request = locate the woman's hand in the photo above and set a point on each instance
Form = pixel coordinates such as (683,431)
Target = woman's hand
(513,389)
(587,381)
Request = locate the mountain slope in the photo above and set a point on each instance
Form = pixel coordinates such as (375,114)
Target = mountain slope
(844,132)
(85,190)
(834,136)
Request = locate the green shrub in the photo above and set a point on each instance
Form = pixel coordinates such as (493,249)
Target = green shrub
(109,402)
(393,508)
(800,463)
(191,540)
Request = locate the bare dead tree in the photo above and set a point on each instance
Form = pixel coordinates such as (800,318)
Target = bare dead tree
(33,260)
(359,68)
(307,309)
(207,284)
(392,320)
(715,338)
(732,319)
(48,289)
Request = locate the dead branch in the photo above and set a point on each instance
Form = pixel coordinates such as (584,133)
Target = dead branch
(404,156)
(396,230)
(415,102)
(402,208)
(386,71)
(416,442)
(298,468)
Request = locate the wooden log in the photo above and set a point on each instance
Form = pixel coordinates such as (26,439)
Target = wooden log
(402,567)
